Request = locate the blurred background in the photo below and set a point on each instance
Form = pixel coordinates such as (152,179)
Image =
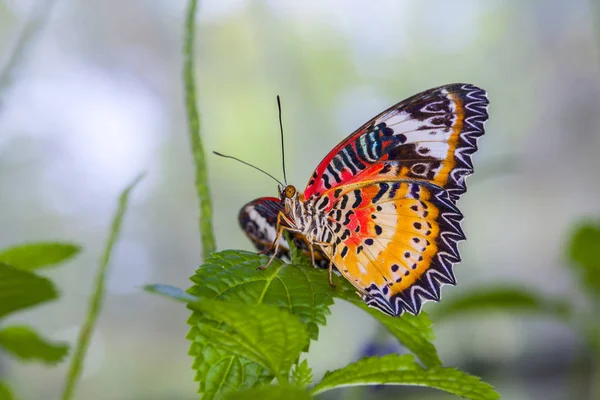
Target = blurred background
(97,97)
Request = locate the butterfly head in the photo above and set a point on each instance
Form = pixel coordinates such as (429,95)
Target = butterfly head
(289,196)
(288,192)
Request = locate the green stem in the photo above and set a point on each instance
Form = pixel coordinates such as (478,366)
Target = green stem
(193,116)
(39,15)
(87,328)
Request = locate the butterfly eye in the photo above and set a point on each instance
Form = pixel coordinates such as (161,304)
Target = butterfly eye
(290,191)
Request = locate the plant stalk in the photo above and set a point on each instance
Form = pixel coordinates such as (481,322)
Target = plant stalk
(193,116)
(87,329)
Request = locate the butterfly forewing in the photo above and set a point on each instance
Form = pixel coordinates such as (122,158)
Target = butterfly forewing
(429,136)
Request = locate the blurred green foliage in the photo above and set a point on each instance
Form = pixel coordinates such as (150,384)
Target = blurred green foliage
(20,289)
(37,255)
(584,255)
(25,344)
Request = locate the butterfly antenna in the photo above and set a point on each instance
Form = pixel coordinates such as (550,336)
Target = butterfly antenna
(282,146)
(250,165)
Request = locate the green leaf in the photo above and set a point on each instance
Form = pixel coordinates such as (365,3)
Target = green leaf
(506,299)
(302,374)
(267,335)
(270,393)
(234,275)
(584,252)
(24,343)
(5,393)
(403,370)
(21,289)
(414,332)
(172,292)
(32,256)
(219,370)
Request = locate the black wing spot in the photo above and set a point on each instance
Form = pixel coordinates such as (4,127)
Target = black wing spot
(326,181)
(369,242)
(344,201)
(407,254)
(337,193)
(359,249)
(386,168)
(395,267)
(324,203)
(378,230)
(416,240)
(344,251)
(417,225)
(395,187)
(348,215)
(383,188)
(358,198)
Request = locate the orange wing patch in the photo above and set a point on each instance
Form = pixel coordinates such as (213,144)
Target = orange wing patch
(395,242)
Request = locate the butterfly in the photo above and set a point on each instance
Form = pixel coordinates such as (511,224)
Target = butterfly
(381,206)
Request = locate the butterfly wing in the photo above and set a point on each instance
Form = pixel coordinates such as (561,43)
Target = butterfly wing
(395,242)
(428,137)
(258,219)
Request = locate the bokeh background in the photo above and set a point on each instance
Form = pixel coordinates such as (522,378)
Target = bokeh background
(97,97)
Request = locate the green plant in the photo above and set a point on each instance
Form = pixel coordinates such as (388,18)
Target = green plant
(250,327)
(87,329)
(22,288)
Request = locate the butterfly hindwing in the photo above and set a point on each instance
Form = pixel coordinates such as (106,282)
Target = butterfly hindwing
(395,242)
(428,137)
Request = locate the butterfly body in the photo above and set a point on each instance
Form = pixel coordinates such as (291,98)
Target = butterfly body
(381,206)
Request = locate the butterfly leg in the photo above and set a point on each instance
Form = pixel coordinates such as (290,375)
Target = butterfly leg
(280,228)
(312,256)
(323,245)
